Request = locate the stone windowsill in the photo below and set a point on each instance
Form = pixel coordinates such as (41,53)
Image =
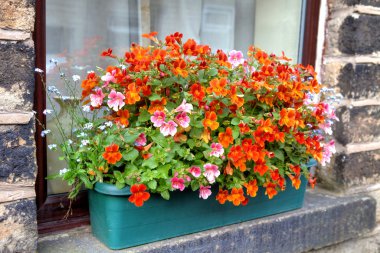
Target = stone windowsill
(324,220)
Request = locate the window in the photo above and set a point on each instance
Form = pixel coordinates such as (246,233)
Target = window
(74,32)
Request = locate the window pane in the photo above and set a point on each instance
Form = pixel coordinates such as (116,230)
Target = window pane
(77,31)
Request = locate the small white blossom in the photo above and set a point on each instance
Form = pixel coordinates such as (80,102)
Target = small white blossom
(38,70)
(90,71)
(47,111)
(52,60)
(76,78)
(69,141)
(52,146)
(85,142)
(88,126)
(81,135)
(86,108)
(64,98)
(108,123)
(63,171)
(45,132)
(78,160)
(102,127)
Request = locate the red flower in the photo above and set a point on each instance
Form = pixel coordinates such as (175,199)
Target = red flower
(108,53)
(112,154)
(139,195)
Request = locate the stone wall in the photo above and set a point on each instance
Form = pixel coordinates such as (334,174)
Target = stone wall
(18,226)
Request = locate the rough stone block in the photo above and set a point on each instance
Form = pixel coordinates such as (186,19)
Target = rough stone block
(18,226)
(17,153)
(358,124)
(13,35)
(17,14)
(360,81)
(375,3)
(17,76)
(360,168)
(360,35)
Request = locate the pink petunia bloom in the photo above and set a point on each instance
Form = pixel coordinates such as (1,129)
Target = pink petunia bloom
(328,151)
(204,192)
(141,140)
(184,107)
(217,149)
(158,118)
(211,172)
(115,100)
(178,183)
(97,98)
(183,120)
(169,128)
(195,171)
(326,126)
(109,77)
(235,58)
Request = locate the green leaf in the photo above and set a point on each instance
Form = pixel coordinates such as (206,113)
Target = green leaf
(154,97)
(279,154)
(119,185)
(235,132)
(160,139)
(152,184)
(164,170)
(151,163)
(130,137)
(235,121)
(144,116)
(165,195)
(212,72)
(131,155)
(194,185)
(86,181)
(119,177)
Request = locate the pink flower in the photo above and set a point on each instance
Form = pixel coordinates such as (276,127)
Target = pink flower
(141,140)
(178,183)
(183,120)
(115,100)
(204,192)
(328,151)
(184,107)
(326,126)
(169,128)
(195,171)
(158,118)
(235,58)
(217,149)
(211,172)
(97,98)
(109,77)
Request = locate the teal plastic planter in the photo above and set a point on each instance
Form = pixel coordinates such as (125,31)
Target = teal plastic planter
(120,224)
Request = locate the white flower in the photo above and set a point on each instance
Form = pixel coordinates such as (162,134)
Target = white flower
(86,108)
(52,146)
(69,141)
(108,123)
(82,134)
(38,70)
(52,60)
(76,78)
(85,142)
(88,126)
(90,71)
(63,171)
(47,111)
(102,127)
(45,132)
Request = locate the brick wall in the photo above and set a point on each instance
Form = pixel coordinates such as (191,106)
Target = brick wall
(351,63)
(18,227)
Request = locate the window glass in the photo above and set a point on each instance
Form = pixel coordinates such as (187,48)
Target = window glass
(77,31)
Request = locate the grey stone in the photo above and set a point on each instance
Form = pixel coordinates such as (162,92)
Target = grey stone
(17,14)
(365,118)
(360,81)
(18,226)
(17,153)
(375,3)
(324,220)
(17,76)
(360,35)
(362,168)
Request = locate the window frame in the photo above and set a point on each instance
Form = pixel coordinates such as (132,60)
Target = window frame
(52,208)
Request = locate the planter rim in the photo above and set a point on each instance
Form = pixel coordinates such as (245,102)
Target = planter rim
(110,189)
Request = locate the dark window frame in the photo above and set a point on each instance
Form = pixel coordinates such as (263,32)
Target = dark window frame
(51,209)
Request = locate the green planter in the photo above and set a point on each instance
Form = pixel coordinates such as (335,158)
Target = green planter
(119,224)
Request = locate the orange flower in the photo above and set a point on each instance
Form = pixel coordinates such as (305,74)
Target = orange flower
(244,128)
(217,87)
(312,182)
(296,169)
(180,68)
(226,138)
(89,83)
(189,48)
(238,157)
(261,168)
(108,53)
(132,94)
(150,36)
(228,170)
(157,105)
(112,154)
(211,121)
(198,91)
(222,196)
(288,117)
(235,98)
(236,196)
(123,117)
(296,181)
(139,195)
(252,188)
(270,190)
(205,136)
